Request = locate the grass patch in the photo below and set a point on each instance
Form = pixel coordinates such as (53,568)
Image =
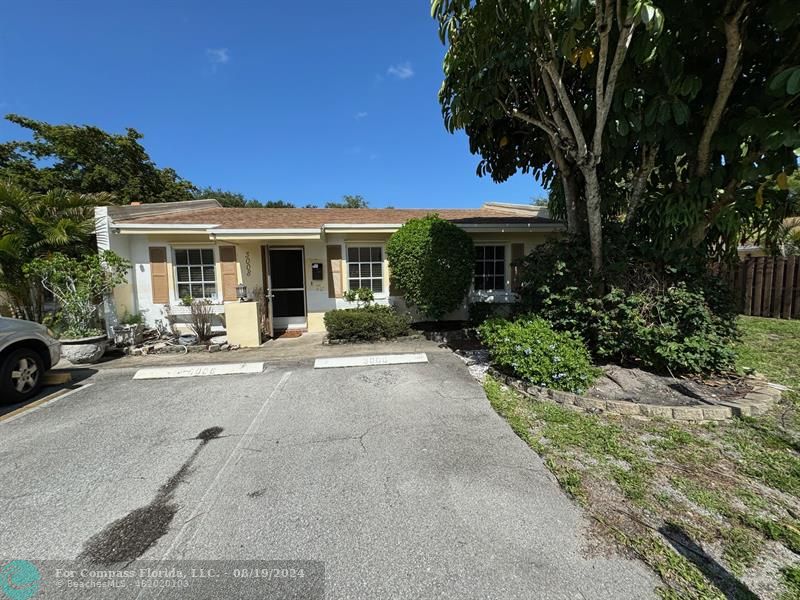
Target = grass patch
(731,490)
(727,489)
(790,576)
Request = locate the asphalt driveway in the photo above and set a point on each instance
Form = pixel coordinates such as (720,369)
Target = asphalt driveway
(401,480)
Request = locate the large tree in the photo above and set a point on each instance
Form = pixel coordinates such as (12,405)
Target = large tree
(349,201)
(85,159)
(237,200)
(33,225)
(682,116)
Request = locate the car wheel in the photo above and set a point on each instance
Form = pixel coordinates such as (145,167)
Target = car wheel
(20,375)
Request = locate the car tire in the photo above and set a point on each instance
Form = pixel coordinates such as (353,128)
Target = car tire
(21,375)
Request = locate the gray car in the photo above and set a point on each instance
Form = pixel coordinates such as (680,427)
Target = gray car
(27,351)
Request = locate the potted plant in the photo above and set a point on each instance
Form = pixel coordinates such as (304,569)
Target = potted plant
(129,330)
(78,286)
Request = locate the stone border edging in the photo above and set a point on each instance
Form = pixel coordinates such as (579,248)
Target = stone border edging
(754,403)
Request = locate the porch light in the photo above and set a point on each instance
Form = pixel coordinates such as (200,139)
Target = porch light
(241,292)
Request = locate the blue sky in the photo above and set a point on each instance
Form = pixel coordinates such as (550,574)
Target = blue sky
(301,101)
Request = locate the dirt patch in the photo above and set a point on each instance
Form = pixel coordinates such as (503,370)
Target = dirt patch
(643,387)
(128,538)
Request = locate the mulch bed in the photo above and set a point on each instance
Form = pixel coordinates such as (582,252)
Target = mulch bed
(640,386)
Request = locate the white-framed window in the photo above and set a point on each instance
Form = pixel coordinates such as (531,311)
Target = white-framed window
(195,273)
(490,268)
(365,268)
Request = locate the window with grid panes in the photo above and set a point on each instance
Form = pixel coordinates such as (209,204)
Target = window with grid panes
(490,268)
(195,273)
(365,268)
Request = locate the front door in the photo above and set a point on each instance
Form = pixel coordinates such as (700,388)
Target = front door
(286,285)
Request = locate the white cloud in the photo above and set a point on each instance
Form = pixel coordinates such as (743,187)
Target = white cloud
(401,70)
(218,56)
(360,115)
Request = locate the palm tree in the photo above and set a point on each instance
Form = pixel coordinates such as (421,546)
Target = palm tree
(34,225)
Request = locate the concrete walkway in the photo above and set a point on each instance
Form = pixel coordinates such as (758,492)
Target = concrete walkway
(305,348)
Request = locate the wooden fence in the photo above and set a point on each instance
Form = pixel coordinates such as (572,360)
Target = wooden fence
(768,286)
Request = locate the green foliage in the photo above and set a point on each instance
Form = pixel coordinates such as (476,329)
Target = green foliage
(790,577)
(88,160)
(132,319)
(34,225)
(661,318)
(432,261)
(78,285)
(479,312)
(237,200)
(349,201)
(692,156)
(365,324)
(531,349)
(361,296)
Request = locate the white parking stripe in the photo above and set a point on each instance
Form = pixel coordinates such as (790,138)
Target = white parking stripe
(198,370)
(369,361)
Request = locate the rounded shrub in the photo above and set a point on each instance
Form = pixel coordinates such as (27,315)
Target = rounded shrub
(531,349)
(432,261)
(365,323)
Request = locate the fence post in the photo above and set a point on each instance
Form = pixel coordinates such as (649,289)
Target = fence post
(758,283)
(749,270)
(777,292)
(769,282)
(788,290)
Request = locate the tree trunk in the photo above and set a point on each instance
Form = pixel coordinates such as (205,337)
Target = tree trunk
(571,201)
(594,218)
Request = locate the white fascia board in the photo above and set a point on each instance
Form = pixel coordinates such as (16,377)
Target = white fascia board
(274,231)
(168,226)
(504,227)
(340,226)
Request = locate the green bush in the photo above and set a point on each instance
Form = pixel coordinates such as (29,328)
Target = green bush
(532,350)
(668,319)
(365,323)
(432,261)
(480,312)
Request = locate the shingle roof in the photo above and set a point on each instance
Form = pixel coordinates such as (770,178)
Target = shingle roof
(287,218)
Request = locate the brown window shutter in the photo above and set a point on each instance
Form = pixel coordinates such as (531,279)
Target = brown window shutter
(517,252)
(159,282)
(334,271)
(227,260)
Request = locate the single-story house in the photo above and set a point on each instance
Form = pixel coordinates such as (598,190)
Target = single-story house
(305,258)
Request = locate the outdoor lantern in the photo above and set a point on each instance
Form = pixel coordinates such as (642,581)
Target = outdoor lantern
(241,292)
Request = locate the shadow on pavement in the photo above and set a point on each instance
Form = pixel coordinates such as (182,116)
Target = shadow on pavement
(78,374)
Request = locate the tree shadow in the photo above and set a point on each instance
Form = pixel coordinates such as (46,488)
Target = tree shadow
(727,583)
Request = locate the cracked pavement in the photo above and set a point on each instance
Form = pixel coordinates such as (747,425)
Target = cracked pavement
(401,479)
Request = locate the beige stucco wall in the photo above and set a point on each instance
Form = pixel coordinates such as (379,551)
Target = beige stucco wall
(137,295)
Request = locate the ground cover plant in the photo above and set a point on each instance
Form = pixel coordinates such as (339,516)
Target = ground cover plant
(652,315)
(531,349)
(714,508)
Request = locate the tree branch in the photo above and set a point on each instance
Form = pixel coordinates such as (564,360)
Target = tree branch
(525,118)
(639,185)
(604,101)
(730,73)
(566,104)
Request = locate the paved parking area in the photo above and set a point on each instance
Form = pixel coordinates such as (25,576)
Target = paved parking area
(400,479)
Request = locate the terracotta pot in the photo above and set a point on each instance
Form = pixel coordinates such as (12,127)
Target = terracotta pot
(81,351)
